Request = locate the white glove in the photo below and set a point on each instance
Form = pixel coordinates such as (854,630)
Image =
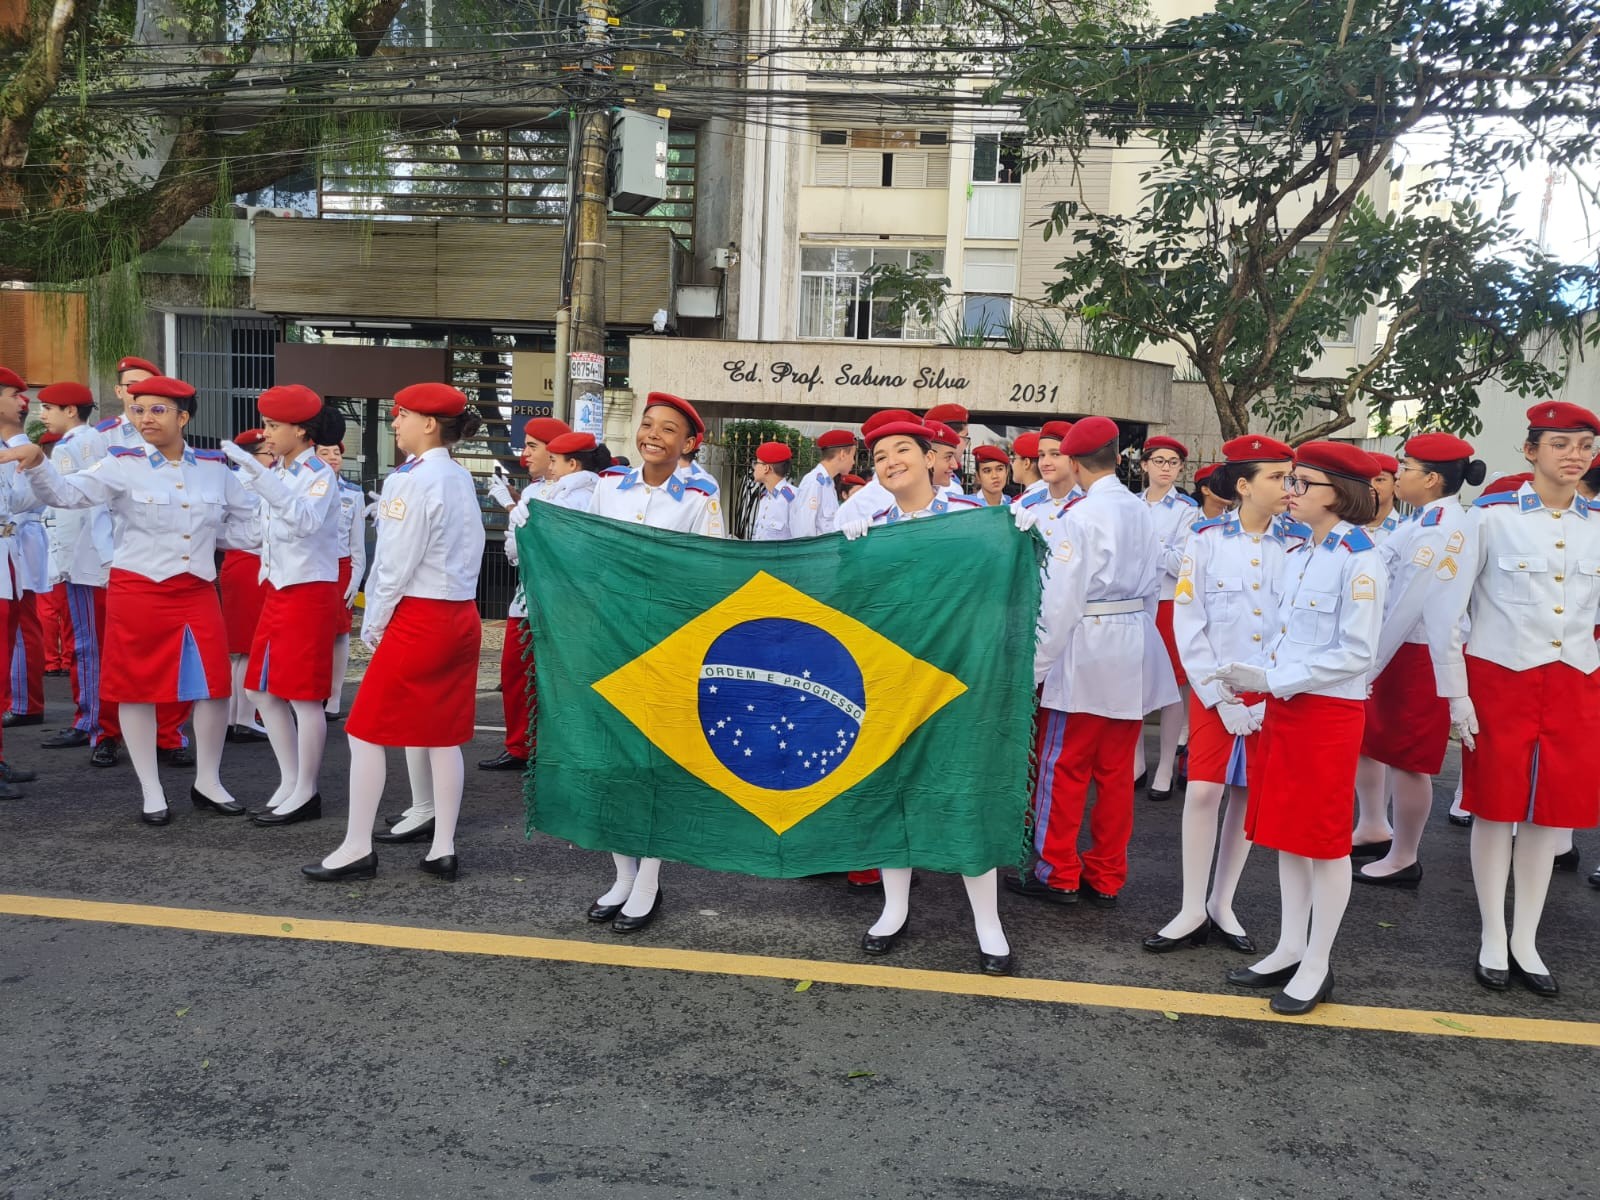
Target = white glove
(247,462)
(351,589)
(855,529)
(1237,677)
(1258,713)
(1236,718)
(500,493)
(1464,720)
(1023,518)
(371,637)
(519,515)
(374,497)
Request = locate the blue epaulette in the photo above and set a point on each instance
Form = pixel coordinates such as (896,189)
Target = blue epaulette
(703,483)
(1496,498)
(1185,498)
(786,492)
(348,486)
(211,456)
(1432,517)
(966,500)
(878,516)
(1042,496)
(406,466)
(126,452)
(1293,529)
(316,464)
(695,486)
(1358,540)
(614,470)
(1208,523)
(107,425)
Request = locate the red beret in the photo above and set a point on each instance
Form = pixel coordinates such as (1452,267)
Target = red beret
(899,428)
(1254,447)
(990,454)
(1560,417)
(248,437)
(431,399)
(946,413)
(941,434)
(137,364)
(773,452)
(1205,472)
(66,395)
(9,378)
(569,443)
(1151,445)
(668,400)
(161,385)
(545,429)
(852,481)
(50,439)
(291,403)
(1056,429)
(1508,483)
(1025,445)
(1437,447)
(835,438)
(888,414)
(1387,463)
(1089,435)
(1338,458)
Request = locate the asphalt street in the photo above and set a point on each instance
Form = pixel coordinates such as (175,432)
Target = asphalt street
(146,1060)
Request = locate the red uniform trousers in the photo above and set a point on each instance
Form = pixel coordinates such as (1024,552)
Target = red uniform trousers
(26,634)
(516,688)
(1075,749)
(57,623)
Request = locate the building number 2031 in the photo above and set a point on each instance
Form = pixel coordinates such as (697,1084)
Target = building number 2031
(1034,393)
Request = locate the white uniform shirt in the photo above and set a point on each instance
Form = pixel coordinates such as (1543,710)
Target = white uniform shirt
(816,505)
(1329,617)
(575,491)
(1171,517)
(1099,650)
(1419,544)
(1531,577)
(168,517)
(1052,513)
(537,489)
(430,538)
(82,540)
(1226,606)
(1034,488)
(118,431)
(677,505)
(872,498)
(941,504)
(1381,531)
(771,522)
(300,538)
(693,472)
(29,544)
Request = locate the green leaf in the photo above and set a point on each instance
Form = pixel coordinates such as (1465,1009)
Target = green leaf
(1385,924)
(803,986)
(205,1064)
(860,1075)
(1171,1016)
(184,1011)
(1449,1024)
(287,927)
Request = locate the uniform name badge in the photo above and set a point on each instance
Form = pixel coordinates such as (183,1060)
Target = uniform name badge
(395,510)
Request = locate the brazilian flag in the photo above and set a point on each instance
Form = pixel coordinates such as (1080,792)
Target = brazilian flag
(784,708)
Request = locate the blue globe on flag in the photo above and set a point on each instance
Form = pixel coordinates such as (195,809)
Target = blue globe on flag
(780,702)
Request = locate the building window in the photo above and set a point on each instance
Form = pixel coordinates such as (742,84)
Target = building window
(834,299)
(997,158)
(906,158)
(990,280)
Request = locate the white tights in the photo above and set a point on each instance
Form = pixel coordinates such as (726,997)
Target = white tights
(982,896)
(368,770)
(1372,803)
(1413,801)
(1314,892)
(299,752)
(1500,852)
(1202,803)
(341,664)
(139,735)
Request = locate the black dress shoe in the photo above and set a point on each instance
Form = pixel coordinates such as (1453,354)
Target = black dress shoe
(1371,849)
(332,717)
(1157,944)
(162,816)
(882,943)
(311,810)
(105,752)
(67,739)
(444,866)
(1405,877)
(11,774)
(390,837)
(243,733)
(599,913)
(362,868)
(994,964)
(1539,985)
(1594,879)
(1032,885)
(1158,794)
(626,924)
(178,756)
(1246,977)
(1286,1005)
(504,761)
(1099,899)
(228,808)
(12,719)
(391,822)
(1496,979)
(1460,818)
(1242,942)
(1567,861)
(1140,782)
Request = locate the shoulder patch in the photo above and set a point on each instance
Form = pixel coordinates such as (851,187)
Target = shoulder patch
(108,424)
(316,464)
(1432,517)
(126,452)
(1357,540)
(1497,498)
(1363,587)
(786,492)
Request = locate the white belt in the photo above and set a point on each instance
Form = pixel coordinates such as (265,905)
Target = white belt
(1112,608)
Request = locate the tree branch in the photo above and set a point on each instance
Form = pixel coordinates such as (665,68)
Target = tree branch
(26,92)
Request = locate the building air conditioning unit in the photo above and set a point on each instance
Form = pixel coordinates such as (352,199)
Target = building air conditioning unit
(252,211)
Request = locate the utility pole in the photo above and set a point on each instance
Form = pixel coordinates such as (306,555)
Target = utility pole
(585,365)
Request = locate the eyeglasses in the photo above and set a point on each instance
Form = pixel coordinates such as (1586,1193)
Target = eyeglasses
(1164,462)
(1299,487)
(155,410)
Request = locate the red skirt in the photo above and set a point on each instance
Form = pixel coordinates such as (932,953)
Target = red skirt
(162,642)
(343,619)
(241,597)
(1408,722)
(421,688)
(1304,776)
(1212,747)
(1534,757)
(292,655)
(1170,639)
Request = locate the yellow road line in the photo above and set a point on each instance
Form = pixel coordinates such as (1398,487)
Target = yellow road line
(607,954)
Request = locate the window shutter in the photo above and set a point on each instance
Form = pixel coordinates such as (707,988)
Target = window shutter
(938,169)
(866,168)
(831,169)
(910,170)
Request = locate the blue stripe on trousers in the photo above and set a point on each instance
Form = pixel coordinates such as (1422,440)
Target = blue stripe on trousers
(1055,732)
(86,656)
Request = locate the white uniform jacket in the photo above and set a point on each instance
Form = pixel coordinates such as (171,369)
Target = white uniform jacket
(81,538)
(301,540)
(941,505)
(29,542)
(430,538)
(1226,606)
(1437,531)
(537,489)
(685,507)
(816,505)
(1099,651)
(1171,517)
(1329,617)
(1381,531)
(872,498)
(771,522)
(353,528)
(1531,579)
(575,491)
